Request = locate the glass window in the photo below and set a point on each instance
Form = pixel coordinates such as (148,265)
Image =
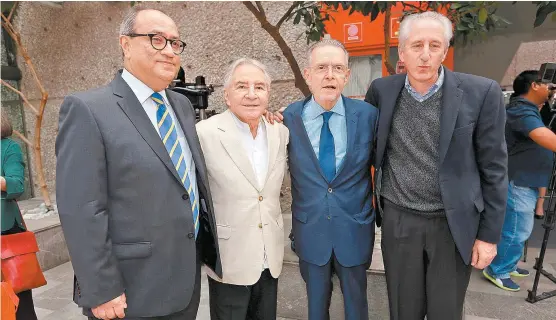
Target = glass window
(364,70)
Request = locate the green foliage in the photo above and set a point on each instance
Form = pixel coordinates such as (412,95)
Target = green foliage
(544,8)
(472,19)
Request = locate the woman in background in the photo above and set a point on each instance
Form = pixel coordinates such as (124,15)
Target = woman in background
(11,183)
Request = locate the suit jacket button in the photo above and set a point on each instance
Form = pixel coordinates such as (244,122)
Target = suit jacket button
(329,190)
(260,198)
(185,196)
(328,217)
(260,225)
(190,235)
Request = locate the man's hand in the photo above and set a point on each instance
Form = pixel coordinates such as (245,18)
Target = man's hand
(276,116)
(483,254)
(112,309)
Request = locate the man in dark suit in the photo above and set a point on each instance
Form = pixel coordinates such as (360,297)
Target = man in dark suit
(132,187)
(329,154)
(441,173)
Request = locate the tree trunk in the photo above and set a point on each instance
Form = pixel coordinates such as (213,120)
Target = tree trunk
(274,32)
(36,146)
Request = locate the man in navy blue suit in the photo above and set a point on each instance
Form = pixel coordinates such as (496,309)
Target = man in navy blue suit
(330,153)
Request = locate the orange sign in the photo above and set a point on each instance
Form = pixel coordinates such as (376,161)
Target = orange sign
(395,28)
(353,32)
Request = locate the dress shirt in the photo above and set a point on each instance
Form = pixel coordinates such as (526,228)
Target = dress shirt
(143,94)
(432,90)
(312,119)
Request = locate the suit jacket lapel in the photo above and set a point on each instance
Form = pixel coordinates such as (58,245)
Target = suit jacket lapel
(451,101)
(351,124)
(230,139)
(300,127)
(387,106)
(273,145)
(134,111)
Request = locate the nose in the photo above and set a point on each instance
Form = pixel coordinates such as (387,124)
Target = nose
(251,92)
(167,51)
(329,73)
(426,54)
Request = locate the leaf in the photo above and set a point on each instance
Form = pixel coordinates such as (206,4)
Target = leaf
(483,15)
(297,18)
(374,12)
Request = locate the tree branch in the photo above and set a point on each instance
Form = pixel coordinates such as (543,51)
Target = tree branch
(405,4)
(286,15)
(12,11)
(22,137)
(283,45)
(260,7)
(35,111)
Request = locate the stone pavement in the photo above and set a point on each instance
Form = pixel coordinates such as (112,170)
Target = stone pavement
(484,301)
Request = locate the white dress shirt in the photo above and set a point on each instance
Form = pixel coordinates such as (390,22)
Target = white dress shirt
(143,94)
(257,152)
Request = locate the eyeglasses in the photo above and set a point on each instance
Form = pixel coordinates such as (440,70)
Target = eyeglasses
(337,69)
(159,42)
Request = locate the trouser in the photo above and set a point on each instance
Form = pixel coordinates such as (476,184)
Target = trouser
(353,282)
(236,302)
(518,225)
(425,274)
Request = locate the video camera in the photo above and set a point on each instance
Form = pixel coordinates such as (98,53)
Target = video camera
(197,93)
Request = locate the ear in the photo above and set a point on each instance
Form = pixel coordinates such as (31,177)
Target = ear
(445,54)
(401,54)
(348,74)
(125,45)
(226,97)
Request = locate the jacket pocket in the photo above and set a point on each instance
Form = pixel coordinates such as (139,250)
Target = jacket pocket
(133,250)
(300,216)
(223,232)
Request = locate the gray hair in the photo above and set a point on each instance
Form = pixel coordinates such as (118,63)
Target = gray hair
(324,43)
(246,61)
(128,24)
(405,25)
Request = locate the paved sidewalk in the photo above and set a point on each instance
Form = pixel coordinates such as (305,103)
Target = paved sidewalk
(484,301)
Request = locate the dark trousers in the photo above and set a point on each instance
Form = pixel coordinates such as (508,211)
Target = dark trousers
(189,313)
(234,302)
(353,282)
(425,274)
(26,309)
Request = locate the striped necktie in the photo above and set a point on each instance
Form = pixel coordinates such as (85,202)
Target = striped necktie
(167,129)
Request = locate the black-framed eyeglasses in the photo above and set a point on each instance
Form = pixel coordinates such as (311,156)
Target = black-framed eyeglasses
(159,42)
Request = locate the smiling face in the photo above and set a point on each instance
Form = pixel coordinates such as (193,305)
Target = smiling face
(327,74)
(424,50)
(247,93)
(155,68)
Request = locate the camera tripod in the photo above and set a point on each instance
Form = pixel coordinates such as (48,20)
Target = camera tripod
(548,225)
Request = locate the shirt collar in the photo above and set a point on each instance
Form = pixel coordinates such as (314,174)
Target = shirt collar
(141,90)
(242,126)
(314,110)
(433,89)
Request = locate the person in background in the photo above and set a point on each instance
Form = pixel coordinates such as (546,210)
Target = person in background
(530,149)
(11,182)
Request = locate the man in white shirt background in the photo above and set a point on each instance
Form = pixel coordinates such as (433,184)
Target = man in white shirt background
(246,163)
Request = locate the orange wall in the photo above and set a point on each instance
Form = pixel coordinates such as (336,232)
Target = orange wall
(369,40)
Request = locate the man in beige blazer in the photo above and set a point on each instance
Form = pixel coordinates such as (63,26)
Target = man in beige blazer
(246,163)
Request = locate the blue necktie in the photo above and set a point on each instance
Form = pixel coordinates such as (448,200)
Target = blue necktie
(327,153)
(167,130)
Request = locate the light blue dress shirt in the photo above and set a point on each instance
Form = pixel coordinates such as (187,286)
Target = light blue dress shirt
(434,89)
(312,119)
